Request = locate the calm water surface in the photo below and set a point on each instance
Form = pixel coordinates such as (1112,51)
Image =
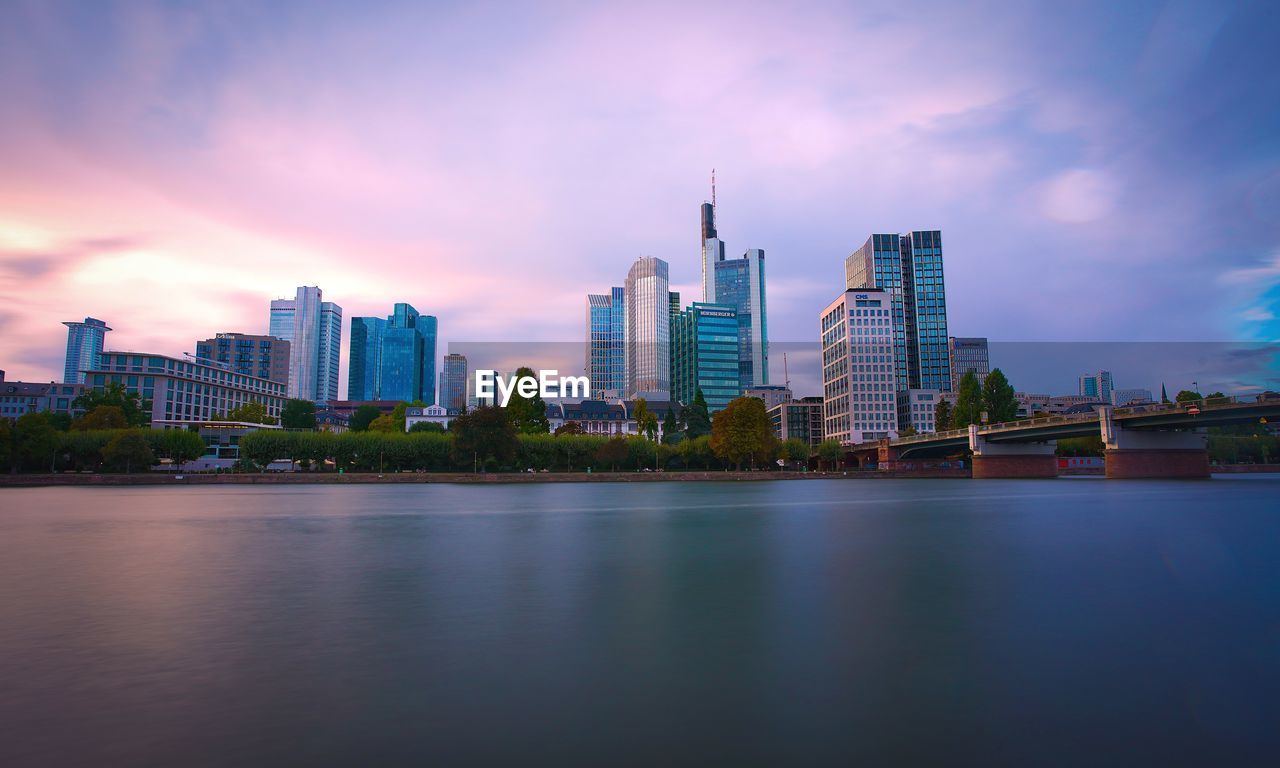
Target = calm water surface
(798,623)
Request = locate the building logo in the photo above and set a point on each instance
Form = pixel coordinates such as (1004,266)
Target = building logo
(548,385)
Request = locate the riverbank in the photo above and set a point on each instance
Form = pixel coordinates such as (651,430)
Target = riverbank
(333,478)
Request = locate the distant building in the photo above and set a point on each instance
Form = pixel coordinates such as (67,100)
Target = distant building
(740,283)
(800,419)
(364,358)
(968,353)
(648,317)
(704,355)
(185,390)
(313,329)
(453,383)
(222,442)
(20,397)
(84,344)
(432,414)
(610,418)
(263,356)
(858,379)
(1031,404)
(1130,396)
(918,409)
(408,357)
(1096,385)
(606,364)
(909,267)
(771,394)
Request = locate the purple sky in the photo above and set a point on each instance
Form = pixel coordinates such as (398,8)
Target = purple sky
(1100,171)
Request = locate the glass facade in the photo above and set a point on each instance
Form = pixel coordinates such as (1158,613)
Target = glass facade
(739,282)
(84,345)
(606,343)
(364,361)
(403,357)
(859,386)
(453,383)
(968,354)
(704,354)
(648,318)
(313,329)
(263,356)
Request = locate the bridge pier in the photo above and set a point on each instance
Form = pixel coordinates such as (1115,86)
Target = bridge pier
(1133,454)
(1012,460)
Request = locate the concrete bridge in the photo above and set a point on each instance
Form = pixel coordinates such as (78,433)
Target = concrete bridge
(1155,440)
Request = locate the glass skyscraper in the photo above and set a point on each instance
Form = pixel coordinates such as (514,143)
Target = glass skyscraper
(739,282)
(909,268)
(364,362)
(704,354)
(313,329)
(84,346)
(968,353)
(453,383)
(648,318)
(607,343)
(407,369)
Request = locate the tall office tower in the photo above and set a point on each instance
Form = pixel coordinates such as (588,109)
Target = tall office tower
(313,329)
(364,361)
(968,353)
(453,383)
(859,387)
(704,354)
(648,317)
(607,343)
(909,267)
(1097,385)
(408,370)
(265,357)
(84,345)
(739,282)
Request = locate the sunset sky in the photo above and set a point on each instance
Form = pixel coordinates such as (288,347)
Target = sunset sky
(1100,171)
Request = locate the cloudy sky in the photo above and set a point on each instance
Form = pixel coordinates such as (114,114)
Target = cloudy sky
(1101,171)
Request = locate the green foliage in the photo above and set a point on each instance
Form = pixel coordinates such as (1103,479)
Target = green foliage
(829,453)
(1080,446)
(697,417)
(998,398)
(1243,449)
(646,421)
(1188,396)
(671,433)
(968,407)
(298,414)
(128,451)
(181,445)
(251,413)
(6,445)
(484,435)
(612,453)
(101,417)
(569,428)
(742,432)
(793,450)
(59,420)
(35,442)
(943,416)
(386,423)
(528,415)
(362,417)
(137,413)
(426,426)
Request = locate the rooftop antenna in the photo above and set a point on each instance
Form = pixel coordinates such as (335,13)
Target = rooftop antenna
(786,377)
(713,188)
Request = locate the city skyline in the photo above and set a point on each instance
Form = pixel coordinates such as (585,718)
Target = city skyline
(122,195)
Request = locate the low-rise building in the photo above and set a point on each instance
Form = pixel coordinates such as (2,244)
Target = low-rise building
(22,397)
(773,395)
(432,414)
(918,409)
(221,439)
(800,419)
(1131,396)
(184,389)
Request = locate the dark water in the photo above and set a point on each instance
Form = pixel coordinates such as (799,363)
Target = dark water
(1079,622)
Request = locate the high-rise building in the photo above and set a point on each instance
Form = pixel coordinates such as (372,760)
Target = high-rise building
(265,357)
(704,354)
(607,343)
(909,267)
(968,353)
(859,386)
(364,361)
(84,344)
(648,318)
(313,328)
(739,282)
(1097,385)
(408,370)
(453,383)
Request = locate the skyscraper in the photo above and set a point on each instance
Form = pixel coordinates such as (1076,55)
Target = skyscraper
(739,282)
(313,329)
(606,343)
(364,363)
(909,267)
(648,318)
(859,390)
(84,345)
(408,353)
(704,354)
(265,357)
(1097,385)
(453,383)
(968,353)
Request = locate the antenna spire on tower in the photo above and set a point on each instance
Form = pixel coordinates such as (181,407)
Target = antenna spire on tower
(713,187)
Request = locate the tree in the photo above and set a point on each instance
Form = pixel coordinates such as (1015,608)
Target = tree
(483,435)
(671,428)
(742,432)
(528,414)
(697,418)
(830,452)
(386,423)
(6,444)
(59,420)
(128,450)
(942,416)
(793,450)
(35,442)
(250,413)
(183,445)
(968,407)
(426,426)
(998,398)
(907,431)
(1188,396)
(102,417)
(646,421)
(362,417)
(137,412)
(569,428)
(298,414)
(613,452)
